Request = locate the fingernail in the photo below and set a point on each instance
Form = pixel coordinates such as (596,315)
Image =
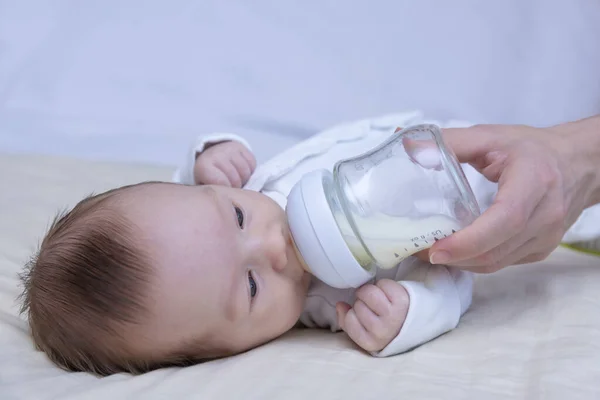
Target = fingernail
(439,257)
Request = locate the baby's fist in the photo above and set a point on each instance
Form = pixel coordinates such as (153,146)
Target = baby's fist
(377,315)
(226,164)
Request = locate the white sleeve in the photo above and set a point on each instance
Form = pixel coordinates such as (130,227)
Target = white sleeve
(325,148)
(436,306)
(586,228)
(185,173)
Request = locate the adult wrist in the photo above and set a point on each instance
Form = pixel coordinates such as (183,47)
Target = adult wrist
(579,144)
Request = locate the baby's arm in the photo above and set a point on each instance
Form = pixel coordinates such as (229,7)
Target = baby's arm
(220,159)
(410,312)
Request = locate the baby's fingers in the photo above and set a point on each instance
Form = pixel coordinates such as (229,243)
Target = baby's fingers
(350,323)
(250,159)
(243,167)
(230,171)
(373,297)
(210,175)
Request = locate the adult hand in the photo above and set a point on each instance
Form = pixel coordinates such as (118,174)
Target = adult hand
(546,178)
(226,164)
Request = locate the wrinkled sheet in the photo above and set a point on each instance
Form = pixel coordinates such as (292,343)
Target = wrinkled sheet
(532,332)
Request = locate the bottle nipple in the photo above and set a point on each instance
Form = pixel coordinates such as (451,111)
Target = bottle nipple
(299,256)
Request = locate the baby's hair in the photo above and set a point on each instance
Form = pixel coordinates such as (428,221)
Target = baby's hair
(85,285)
(85,292)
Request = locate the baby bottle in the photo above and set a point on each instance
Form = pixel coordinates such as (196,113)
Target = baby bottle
(380,207)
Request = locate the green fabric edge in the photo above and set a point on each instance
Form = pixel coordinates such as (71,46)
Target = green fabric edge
(581,249)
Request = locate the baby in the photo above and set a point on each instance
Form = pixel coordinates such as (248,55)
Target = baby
(160,274)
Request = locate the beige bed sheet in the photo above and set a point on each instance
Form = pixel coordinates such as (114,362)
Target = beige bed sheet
(532,332)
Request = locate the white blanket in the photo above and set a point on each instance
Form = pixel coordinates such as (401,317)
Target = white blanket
(532,332)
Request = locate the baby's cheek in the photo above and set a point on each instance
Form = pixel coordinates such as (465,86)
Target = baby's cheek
(294,306)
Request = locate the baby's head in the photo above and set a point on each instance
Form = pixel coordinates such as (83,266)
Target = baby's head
(161,274)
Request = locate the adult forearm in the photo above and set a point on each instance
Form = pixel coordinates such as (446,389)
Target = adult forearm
(580,142)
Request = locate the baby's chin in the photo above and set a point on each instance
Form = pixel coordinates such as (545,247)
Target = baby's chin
(302,279)
(304,286)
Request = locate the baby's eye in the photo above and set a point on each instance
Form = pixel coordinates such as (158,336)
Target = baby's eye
(240,216)
(252,284)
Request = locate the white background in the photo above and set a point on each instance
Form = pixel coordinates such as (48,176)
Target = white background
(138,80)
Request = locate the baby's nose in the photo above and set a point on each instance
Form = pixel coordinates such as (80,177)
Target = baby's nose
(275,249)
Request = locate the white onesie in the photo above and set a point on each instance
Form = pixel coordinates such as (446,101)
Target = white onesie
(439,295)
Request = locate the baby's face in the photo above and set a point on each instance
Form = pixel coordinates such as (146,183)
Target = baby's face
(226,272)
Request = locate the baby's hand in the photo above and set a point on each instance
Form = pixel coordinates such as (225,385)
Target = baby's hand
(226,163)
(377,315)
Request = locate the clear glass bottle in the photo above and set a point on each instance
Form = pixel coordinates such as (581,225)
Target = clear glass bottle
(378,208)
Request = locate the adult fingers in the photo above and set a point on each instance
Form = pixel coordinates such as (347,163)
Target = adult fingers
(518,195)
(469,144)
